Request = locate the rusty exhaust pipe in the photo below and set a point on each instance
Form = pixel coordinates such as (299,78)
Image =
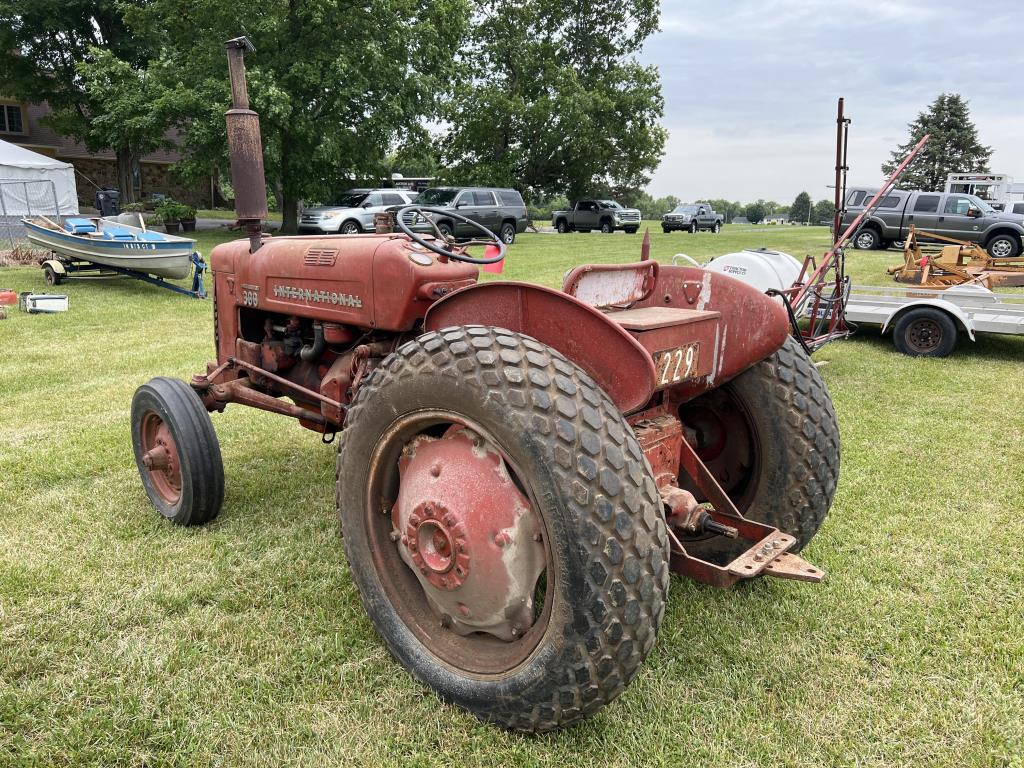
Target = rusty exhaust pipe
(245,148)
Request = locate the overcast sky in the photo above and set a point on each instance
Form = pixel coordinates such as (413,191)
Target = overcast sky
(751,86)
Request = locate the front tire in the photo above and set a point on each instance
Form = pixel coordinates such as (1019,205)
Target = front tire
(579,465)
(177,452)
(693,228)
(607,228)
(350,227)
(771,438)
(717,228)
(1003,246)
(446,230)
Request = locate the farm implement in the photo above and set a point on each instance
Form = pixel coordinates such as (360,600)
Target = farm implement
(519,468)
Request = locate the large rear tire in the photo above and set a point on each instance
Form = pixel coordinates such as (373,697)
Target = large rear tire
(577,462)
(177,452)
(771,438)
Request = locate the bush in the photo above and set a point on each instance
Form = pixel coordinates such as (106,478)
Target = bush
(170,210)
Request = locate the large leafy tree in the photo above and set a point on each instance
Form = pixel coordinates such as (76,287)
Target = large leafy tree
(81,58)
(953,147)
(338,85)
(824,210)
(800,210)
(552,100)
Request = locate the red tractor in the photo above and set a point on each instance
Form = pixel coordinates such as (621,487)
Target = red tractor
(518,468)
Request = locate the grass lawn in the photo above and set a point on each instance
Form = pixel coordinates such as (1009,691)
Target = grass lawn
(127,641)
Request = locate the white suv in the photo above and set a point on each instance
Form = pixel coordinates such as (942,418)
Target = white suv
(353,212)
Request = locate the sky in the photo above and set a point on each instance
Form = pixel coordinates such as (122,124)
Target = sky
(751,86)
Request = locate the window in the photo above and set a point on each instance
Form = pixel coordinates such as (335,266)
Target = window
(10,119)
(956,204)
(509,197)
(927,204)
(393,199)
(890,201)
(856,198)
(588,205)
(1018,208)
(374,199)
(481,197)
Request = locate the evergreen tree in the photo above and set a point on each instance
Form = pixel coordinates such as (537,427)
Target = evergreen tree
(800,210)
(953,147)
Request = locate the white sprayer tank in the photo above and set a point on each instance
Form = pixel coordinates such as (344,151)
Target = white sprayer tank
(759,267)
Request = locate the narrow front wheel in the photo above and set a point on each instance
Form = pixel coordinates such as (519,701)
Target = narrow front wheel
(177,452)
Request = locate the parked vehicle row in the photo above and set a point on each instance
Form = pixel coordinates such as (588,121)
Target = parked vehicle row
(502,211)
(950,214)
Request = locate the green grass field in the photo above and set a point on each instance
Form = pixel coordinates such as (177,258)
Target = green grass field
(127,641)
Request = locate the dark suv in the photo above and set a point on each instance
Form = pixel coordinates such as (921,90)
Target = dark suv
(500,210)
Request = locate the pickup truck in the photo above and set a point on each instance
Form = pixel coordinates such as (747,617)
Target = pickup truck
(951,214)
(606,215)
(691,217)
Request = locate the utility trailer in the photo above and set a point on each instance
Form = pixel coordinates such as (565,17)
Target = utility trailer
(926,323)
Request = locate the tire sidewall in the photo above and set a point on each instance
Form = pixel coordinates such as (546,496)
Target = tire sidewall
(905,321)
(866,233)
(146,400)
(508,233)
(349,228)
(1014,246)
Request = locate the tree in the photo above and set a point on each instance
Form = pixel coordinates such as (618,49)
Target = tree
(953,147)
(338,86)
(824,211)
(800,210)
(63,52)
(552,100)
(755,212)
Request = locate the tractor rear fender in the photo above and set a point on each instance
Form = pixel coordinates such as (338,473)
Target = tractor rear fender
(949,308)
(602,348)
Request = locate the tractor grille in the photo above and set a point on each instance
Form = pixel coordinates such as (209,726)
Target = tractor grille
(320,257)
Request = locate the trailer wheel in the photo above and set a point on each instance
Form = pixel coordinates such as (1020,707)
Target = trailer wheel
(771,439)
(177,452)
(925,332)
(502,527)
(51,276)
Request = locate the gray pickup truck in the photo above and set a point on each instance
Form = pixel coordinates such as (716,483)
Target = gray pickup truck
(951,214)
(606,215)
(690,217)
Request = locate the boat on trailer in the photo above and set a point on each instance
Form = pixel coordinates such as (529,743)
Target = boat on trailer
(104,247)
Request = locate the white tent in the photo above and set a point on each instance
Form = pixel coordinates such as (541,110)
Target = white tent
(33,184)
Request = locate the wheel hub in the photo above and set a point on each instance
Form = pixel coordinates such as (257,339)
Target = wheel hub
(468,533)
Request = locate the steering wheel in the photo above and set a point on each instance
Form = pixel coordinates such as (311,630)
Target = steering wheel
(459,252)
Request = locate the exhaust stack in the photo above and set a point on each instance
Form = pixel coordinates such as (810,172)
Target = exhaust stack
(245,148)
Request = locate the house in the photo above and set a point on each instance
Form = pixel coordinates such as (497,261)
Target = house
(22,124)
(740,220)
(776,218)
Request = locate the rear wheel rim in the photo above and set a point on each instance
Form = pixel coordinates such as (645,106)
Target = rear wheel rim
(479,653)
(865,240)
(508,235)
(924,335)
(160,457)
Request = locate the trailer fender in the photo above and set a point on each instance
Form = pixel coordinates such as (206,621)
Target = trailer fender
(602,348)
(949,308)
(55,265)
